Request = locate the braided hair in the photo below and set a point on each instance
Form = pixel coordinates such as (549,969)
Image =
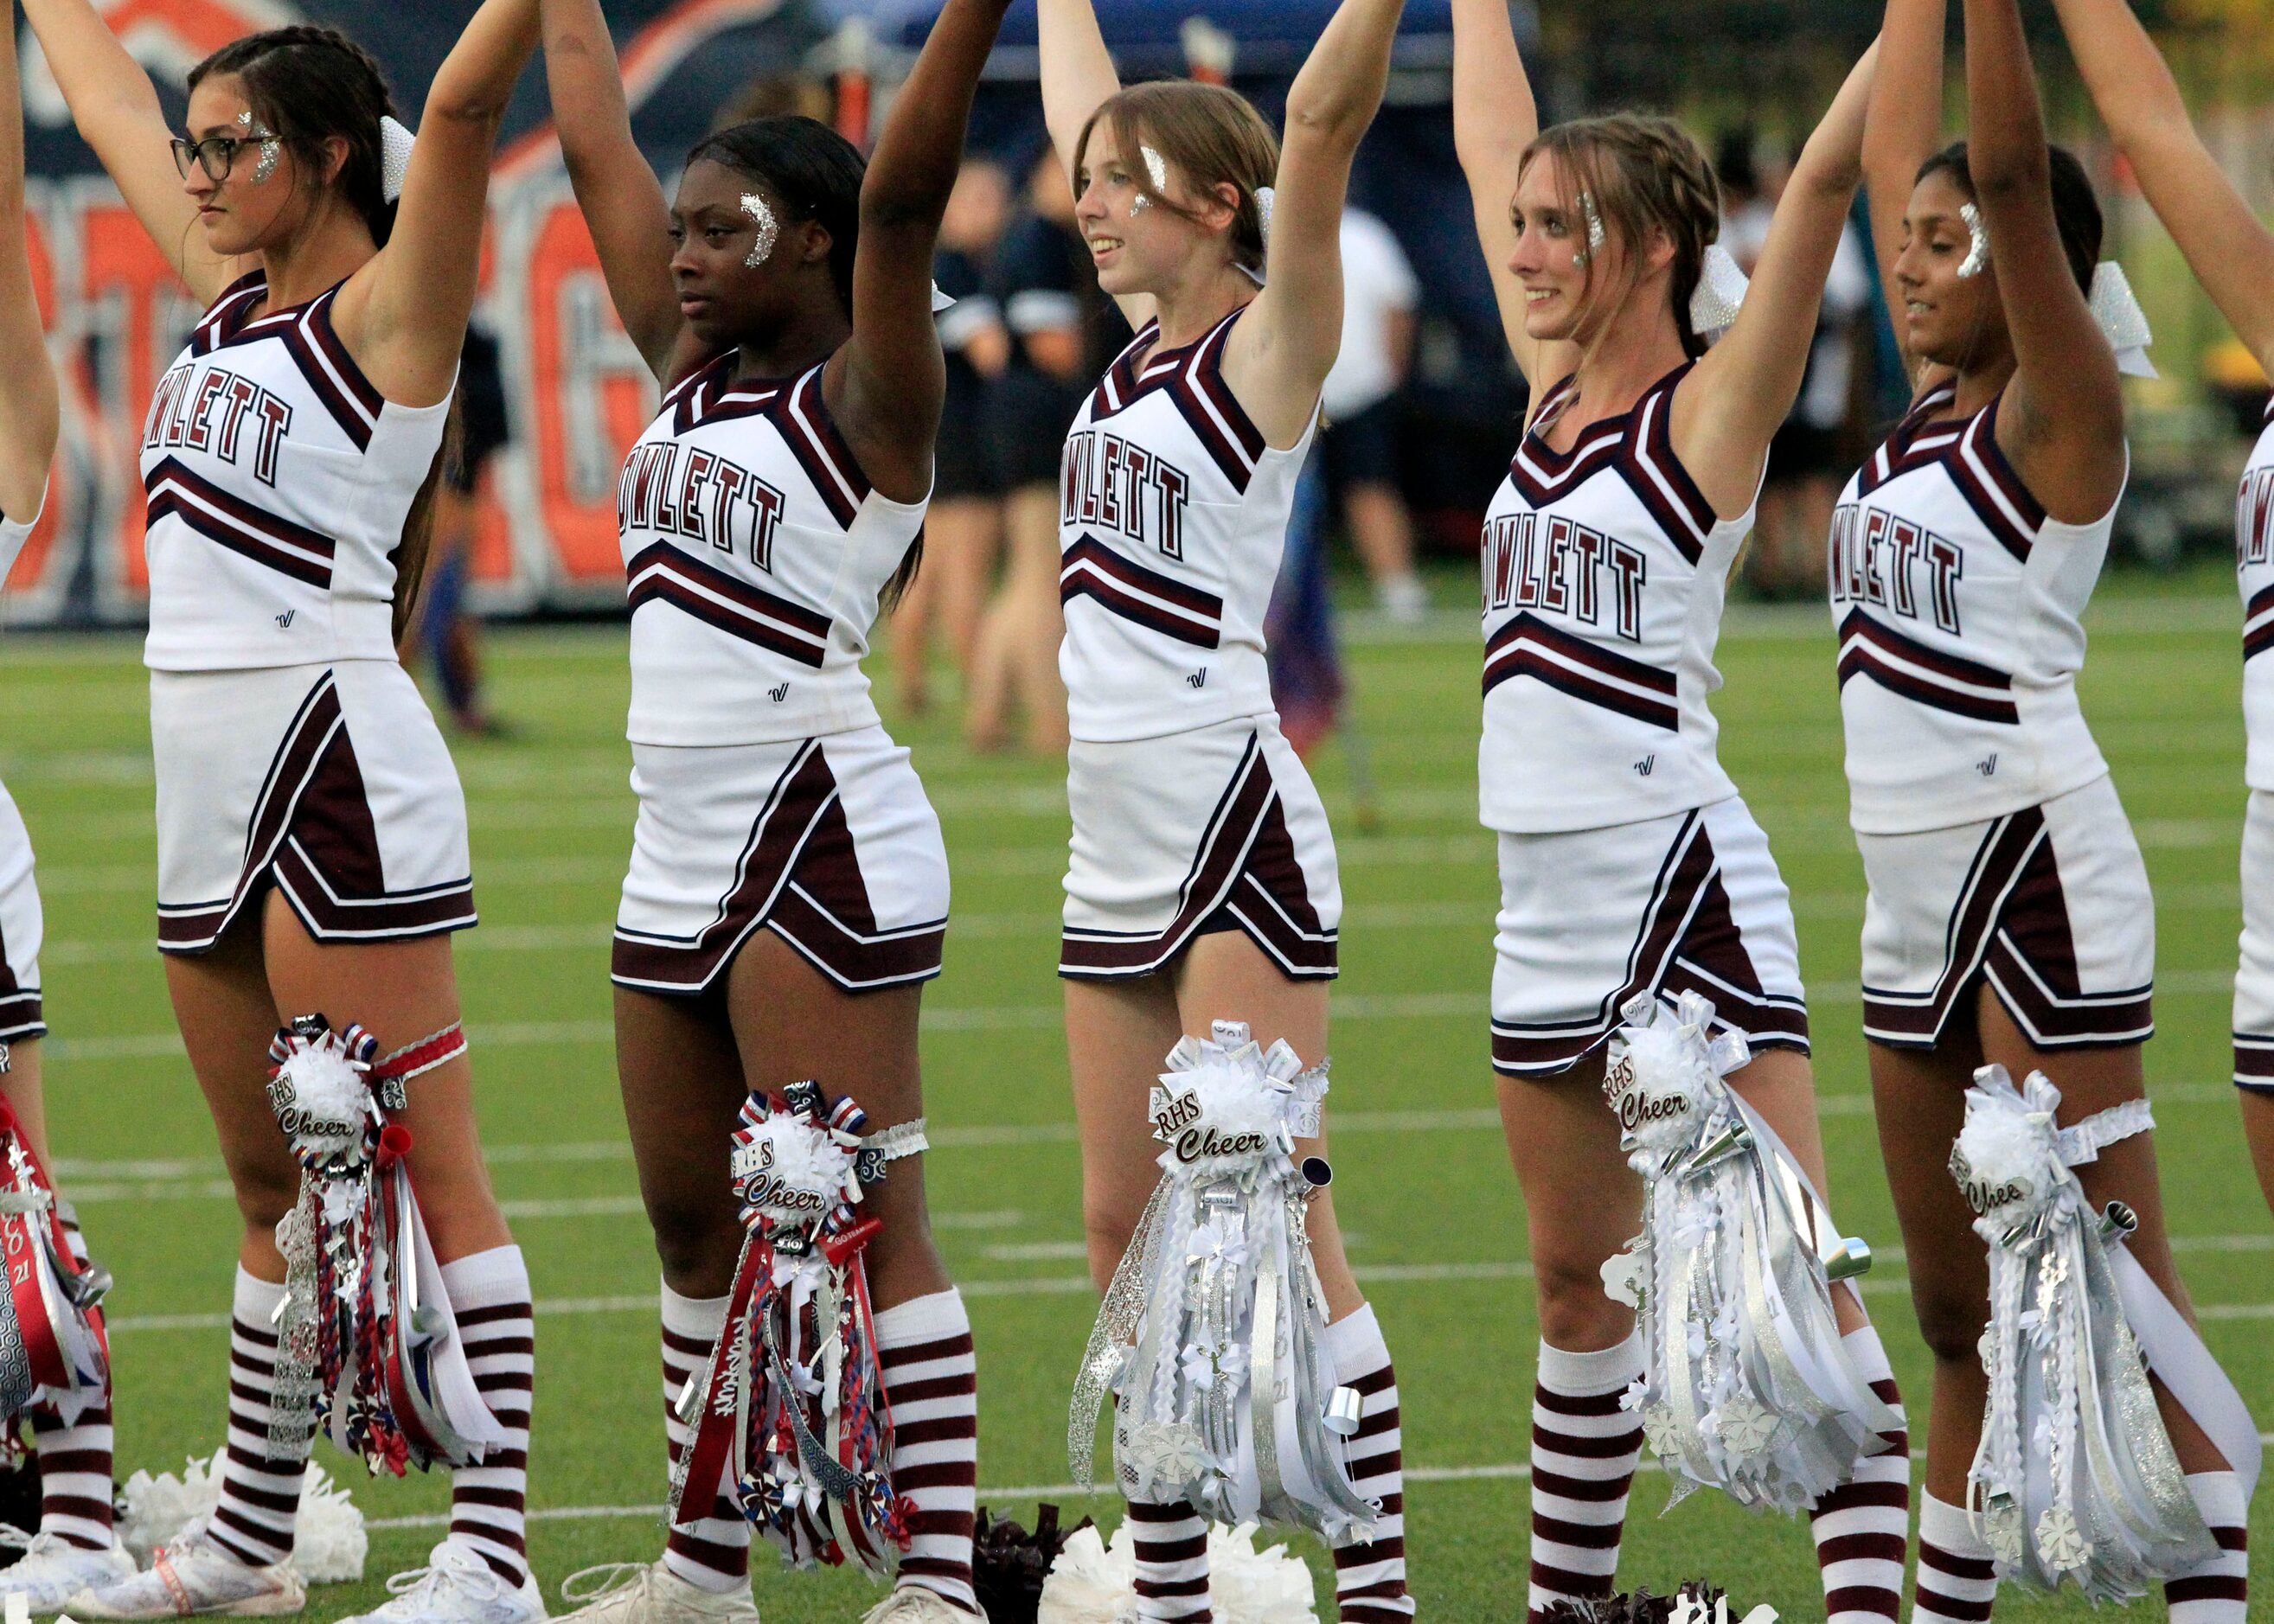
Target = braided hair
(309,84)
(1641,173)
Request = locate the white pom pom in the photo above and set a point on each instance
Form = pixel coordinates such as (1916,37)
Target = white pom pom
(791,1170)
(2008,1155)
(329,1541)
(321,1100)
(1222,1112)
(394,142)
(157,1508)
(1090,1584)
(1248,1586)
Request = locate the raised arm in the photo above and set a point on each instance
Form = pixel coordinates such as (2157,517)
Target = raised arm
(1284,348)
(416,295)
(1494,119)
(1078,73)
(27,405)
(884,386)
(2231,254)
(1902,130)
(1726,410)
(621,200)
(116,111)
(2062,418)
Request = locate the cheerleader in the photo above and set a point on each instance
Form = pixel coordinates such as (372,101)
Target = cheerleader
(73,1547)
(2233,256)
(1203,886)
(2008,919)
(312,836)
(1630,865)
(788,890)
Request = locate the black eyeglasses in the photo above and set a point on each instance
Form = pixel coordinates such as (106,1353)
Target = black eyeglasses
(216,155)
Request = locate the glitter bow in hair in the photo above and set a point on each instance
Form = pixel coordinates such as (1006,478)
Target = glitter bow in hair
(53,1348)
(368,1348)
(2075,1478)
(791,1409)
(1750,1388)
(1213,1332)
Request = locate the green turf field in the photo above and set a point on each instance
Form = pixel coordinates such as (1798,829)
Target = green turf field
(1424,1194)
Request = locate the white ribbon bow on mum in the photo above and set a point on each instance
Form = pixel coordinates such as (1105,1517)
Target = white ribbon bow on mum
(2076,1478)
(1213,1334)
(1749,1387)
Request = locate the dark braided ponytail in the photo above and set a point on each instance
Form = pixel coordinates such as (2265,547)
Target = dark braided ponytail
(307,85)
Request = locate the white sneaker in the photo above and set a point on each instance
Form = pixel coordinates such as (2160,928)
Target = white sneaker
(191,1575)
(651,1593)
(911,1603)
(52,1570)
(456,1586)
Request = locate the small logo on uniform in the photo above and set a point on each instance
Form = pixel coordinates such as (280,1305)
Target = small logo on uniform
(1199,679)
(1987,766)
(1642,767)
(284,620)
(779,693)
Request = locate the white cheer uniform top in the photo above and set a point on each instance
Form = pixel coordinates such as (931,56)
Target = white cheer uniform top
(278,481)
(1605,571)
(2253,572)
(754,553)
(1172,513)
(1959,604)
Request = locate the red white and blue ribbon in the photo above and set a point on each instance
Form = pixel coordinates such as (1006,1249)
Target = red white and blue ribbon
(791,1409)
(53,1347)
(368,1347)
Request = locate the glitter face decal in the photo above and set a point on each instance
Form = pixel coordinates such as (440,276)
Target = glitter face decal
(767,229)
(271,150)
(1978,249)
(1156,169)
(1595,233)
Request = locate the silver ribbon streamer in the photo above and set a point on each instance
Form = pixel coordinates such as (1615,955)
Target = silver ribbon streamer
(1212,1334)
(1749,1387)
(2075,1478)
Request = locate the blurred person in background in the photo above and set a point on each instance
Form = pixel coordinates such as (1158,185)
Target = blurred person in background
(964,527)
(1357,453)
(1063,334)
(441,622)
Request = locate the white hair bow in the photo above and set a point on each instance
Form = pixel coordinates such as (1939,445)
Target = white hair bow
(2121,319)
(395,140)
(1720,293)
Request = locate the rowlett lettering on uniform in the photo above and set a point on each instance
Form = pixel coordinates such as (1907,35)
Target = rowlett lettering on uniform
(211,410)
(683,490)
(1116,485)
(1883,560)
(2254,513)
(1577,572)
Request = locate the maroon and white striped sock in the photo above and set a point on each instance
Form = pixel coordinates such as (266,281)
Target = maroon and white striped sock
(2217,1591)
(1370,1576)
(1585,1449)
(1863,1527)
(1172,1564)
(711,1551)
(1957,1580)
(259,1492)
(932,1382)
(75,1458)
(489,1293)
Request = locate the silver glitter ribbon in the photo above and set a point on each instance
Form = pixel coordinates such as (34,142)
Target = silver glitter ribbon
(1749,1387)
(1212,1334)
(2075,1479)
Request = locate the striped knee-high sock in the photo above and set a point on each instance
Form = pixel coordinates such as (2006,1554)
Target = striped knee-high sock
(1957,1581)
(2218,1591)
(931,1382)
(1585,1449)
(260,1493)
(711,1551)
(75,1459)
(489,1293)
(1172,1563)
(1370,1576)
(1863,1526)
